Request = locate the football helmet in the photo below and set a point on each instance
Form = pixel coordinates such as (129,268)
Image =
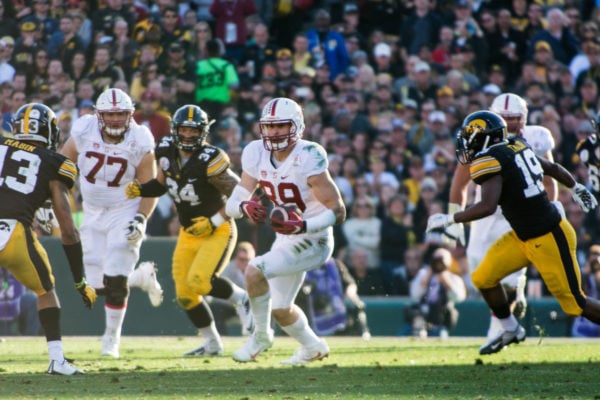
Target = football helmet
(479,131)
(195,117)
(511,106)
(36,122)
(281,110)
(114,100)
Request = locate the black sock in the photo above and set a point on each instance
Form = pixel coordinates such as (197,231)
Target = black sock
(50,320)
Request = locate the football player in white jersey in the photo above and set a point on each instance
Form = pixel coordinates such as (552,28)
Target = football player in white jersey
(485,231)
(111,149)
(290,171)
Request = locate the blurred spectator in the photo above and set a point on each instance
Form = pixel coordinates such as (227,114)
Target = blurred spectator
(369,279)
(397,237)
(7,71)
(215,78)
(18,307)
(230,25)
(406,271)
(104,73)
(590,281)
(8,24)
(255,55)
(141,80)
(181,70)
(86,107)
(104,19)
(42,17)
(65,42)
(563,43)
(363,230)
(420,28)
(435,291)
(327,46)
(17,99)
(202,33)
(124,48)
(159,123)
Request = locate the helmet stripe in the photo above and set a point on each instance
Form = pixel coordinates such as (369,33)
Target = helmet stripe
(274,107)
(190,116)
(506,100)
(114,98)
(25,126)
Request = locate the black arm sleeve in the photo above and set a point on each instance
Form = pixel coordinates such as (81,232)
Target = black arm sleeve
(152,188)
(74,254)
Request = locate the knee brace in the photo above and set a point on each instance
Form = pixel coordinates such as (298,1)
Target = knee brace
(116,290)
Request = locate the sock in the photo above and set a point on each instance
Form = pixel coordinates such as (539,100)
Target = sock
(210,332)
(510,323)
(300,330)
(261,309)
(114,321)
(238,294)
(55,350)
(50,321)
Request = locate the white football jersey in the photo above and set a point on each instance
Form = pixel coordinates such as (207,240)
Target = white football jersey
(288,183)
(105,168)
(539,138)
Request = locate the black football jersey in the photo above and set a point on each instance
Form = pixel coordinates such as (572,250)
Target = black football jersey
(588,151)
(25,174)
(523,200)
(188,185)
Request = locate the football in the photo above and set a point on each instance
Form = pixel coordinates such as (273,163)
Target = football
(286,212)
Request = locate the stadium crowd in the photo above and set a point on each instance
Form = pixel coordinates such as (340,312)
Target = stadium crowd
(383,85)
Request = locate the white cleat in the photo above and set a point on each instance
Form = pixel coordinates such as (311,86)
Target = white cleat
(210,348)
(144,277)
(504,339)
(110,346)
(63,368)
(304,355)
(245,314)
(256,344)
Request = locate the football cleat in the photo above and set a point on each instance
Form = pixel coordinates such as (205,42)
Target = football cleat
(110,346)
(304,355)
(63,368)
(144,277)
(256,344)
(502,340)
(209,348)
(245,313)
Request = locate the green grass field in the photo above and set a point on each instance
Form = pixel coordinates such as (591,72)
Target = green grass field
(382,368)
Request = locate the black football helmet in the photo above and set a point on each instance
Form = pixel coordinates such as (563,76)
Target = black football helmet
(36,122)
(479,131)
(194,116)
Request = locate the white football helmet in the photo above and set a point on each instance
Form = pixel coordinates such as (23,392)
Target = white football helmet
(281,110)
(510,106)
(114,101)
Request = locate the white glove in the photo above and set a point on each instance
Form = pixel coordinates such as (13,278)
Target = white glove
(584,197)
(136,228)
(455,232)
(45,217)
(439,221)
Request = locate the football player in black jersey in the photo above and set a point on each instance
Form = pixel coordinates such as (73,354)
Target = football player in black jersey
(588,152)
(198,178)
(31,172)
(511,176)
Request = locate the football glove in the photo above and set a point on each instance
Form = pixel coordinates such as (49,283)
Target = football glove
(254,210)
(289,227)
(455,232)
(133,189)
(202,227)
(439,221)
(136,228)
(584,197)
(88,293)
(45,217)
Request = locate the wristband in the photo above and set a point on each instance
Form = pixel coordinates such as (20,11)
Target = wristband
(217,220)
(239,194)
(152,188)
(453,208)
(140,217)
(81,284)
(321,221)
